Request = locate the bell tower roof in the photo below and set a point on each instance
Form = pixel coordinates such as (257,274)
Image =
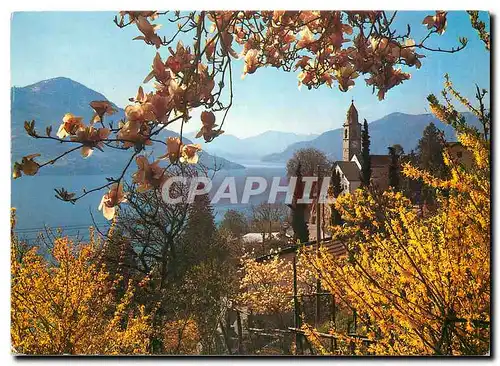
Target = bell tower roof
(352,114)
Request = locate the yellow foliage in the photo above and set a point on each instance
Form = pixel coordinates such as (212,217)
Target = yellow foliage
(267,287)
(181,336)
(68,305)
(420,284)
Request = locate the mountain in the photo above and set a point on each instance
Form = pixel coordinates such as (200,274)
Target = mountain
(395,128)
(254,147)
(46,102)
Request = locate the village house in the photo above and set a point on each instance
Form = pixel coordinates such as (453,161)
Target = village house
(459,153)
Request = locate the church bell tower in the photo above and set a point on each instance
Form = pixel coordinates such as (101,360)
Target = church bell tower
(351,135)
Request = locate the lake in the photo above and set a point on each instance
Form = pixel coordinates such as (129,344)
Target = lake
(37,207)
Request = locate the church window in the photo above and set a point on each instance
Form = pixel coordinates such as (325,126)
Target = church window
(345,133)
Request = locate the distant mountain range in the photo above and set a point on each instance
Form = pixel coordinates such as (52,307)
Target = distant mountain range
(255,147)
(46,102)
(395,128)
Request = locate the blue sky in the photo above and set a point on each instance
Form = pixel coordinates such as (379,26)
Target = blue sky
(89,48)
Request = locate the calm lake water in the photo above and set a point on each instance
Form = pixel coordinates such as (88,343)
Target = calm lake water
(37,207)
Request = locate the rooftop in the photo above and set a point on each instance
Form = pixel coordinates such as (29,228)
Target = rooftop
(350,170)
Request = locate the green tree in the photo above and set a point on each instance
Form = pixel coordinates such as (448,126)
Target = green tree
(309,159)
(179,259)
(366,167)
(395,152)
(430,150)
(430,154)
(398,149)
(299,224)
(235,223)
(209,278)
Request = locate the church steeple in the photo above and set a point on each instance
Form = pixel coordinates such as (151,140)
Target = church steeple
(352,134)
(352,114)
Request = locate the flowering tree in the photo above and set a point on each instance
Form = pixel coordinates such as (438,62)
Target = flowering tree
(267,286)
(181,336)
(332,48)
(421,284)
(69,306)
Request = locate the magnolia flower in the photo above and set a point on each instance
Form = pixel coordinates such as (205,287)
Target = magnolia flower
(308,16)
(101,107)
(287,38)
(70,125)
(134,132)
(220,18)
(91,138)
(408,53)
(251,62)
(160,106)
(189,153)
(210,48)
(27,166)
(149,31)
(148,175)
(159,71)
(208,119)
(327,78)
(139,112)
(336,39)
(140,96)
(110,200)
(305,77)
(177,93)
(180,59)
(133,15)
(307,37)
(253,42)
(277,15)
(207,130)
(17,172)
(345,76)
(227,44)
(437,21)
(205,84)
(387,79)
(302,63)
(174,145)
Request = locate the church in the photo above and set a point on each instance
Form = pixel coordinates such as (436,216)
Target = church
(349,167)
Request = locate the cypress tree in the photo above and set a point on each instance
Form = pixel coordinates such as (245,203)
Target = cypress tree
(299,224)
(366,169)
(430,152)
(394,169)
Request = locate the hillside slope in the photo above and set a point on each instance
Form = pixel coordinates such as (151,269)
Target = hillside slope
(395,128)
(253,147)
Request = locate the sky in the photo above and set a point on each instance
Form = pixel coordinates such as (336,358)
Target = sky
(90,49)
